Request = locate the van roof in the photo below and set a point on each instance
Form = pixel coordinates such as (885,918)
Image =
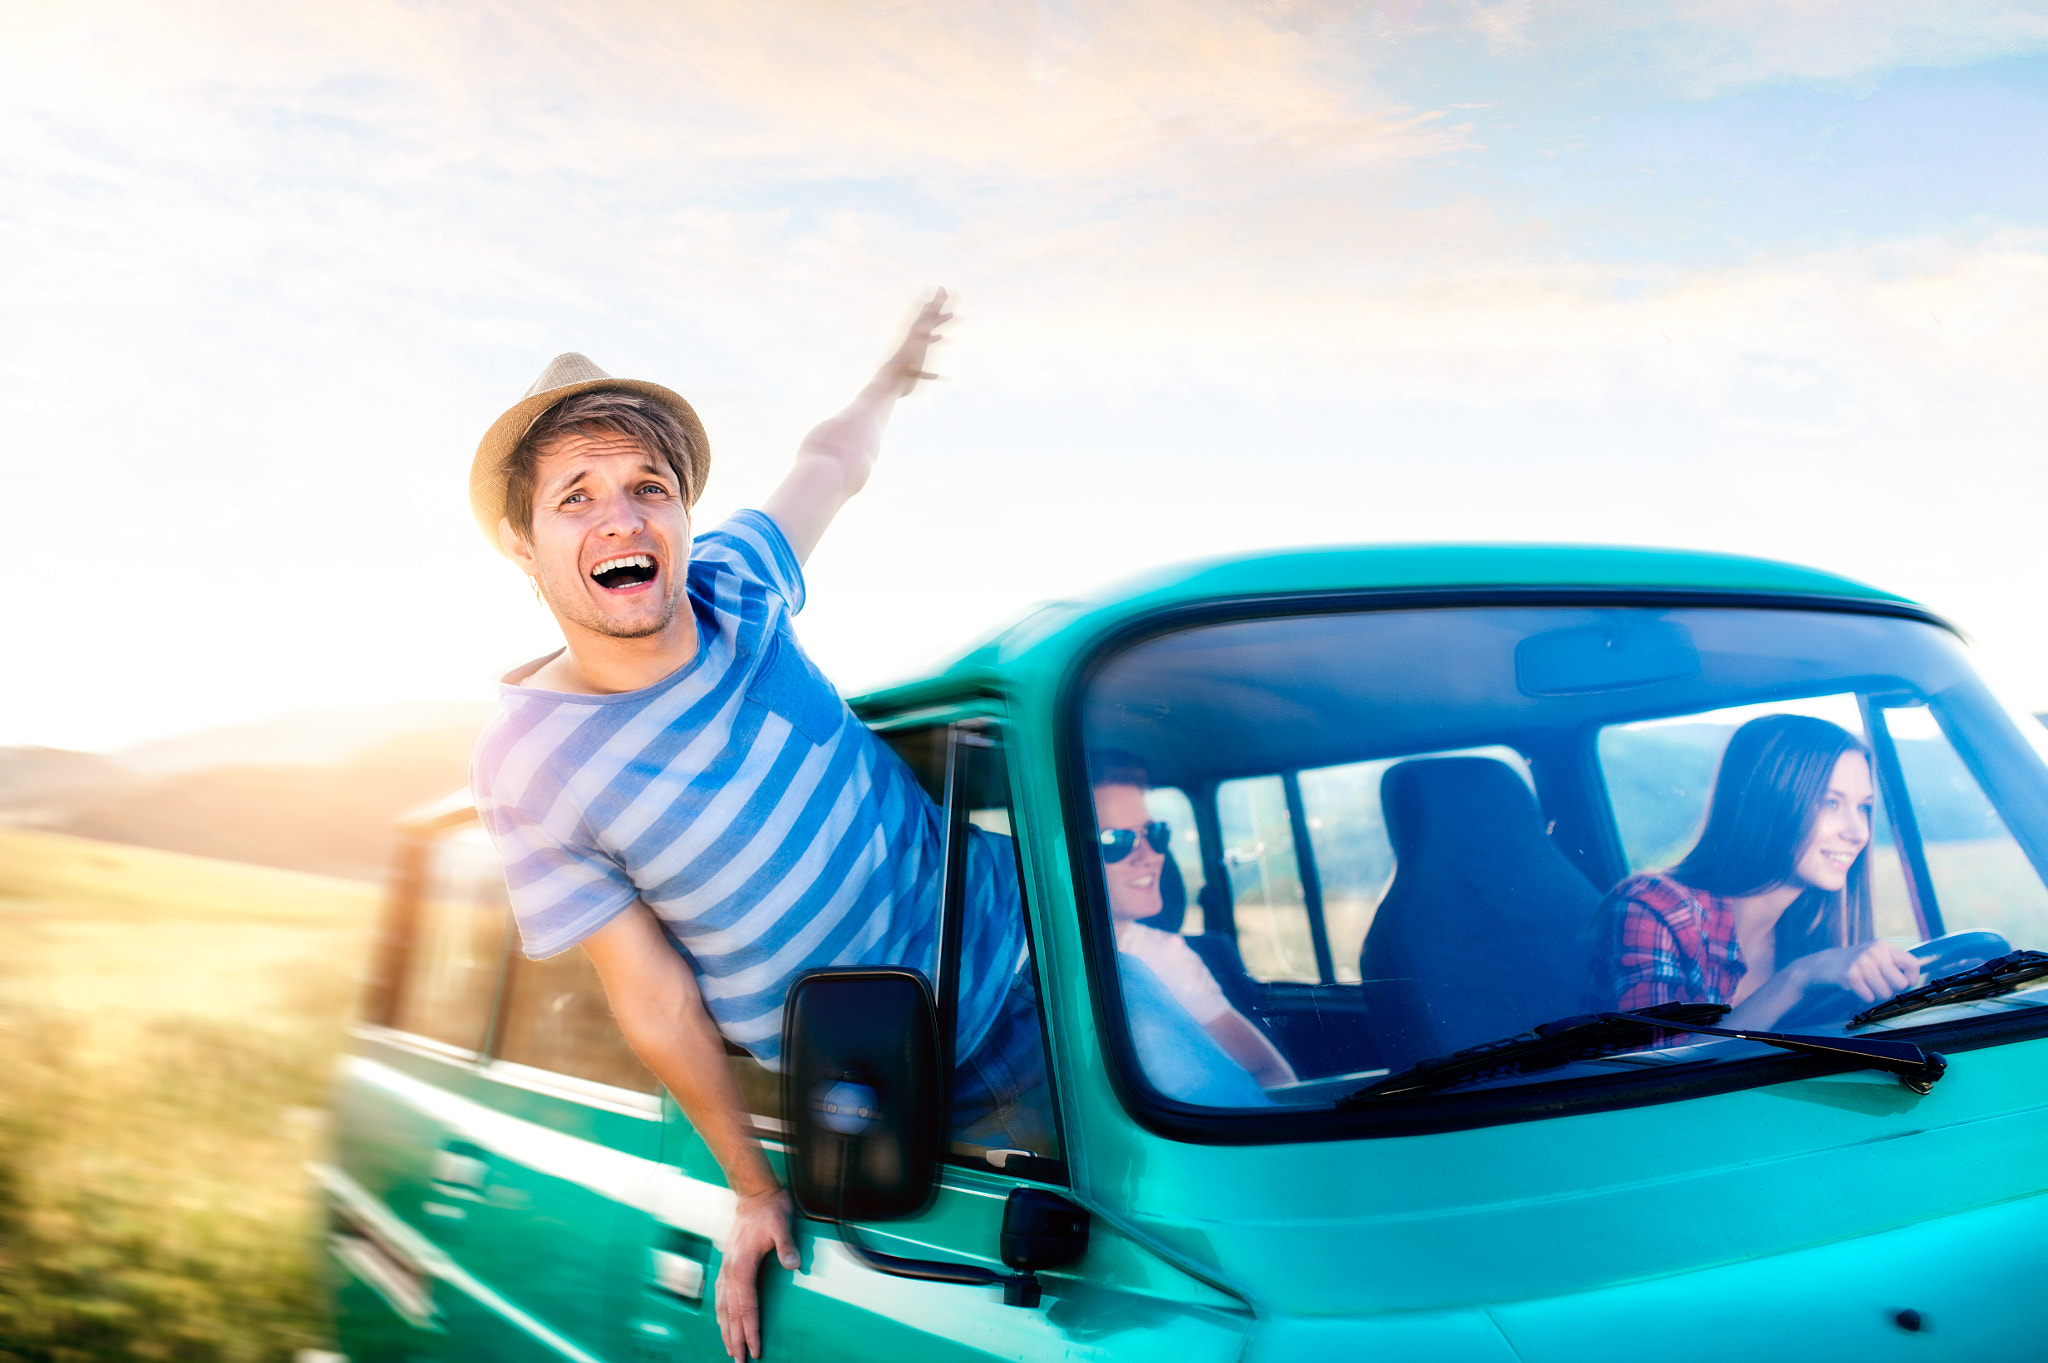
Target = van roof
(1045,636)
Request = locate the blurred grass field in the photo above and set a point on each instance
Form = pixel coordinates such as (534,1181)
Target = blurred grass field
(168,1026)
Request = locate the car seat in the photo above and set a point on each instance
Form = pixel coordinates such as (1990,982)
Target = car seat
(1485,930)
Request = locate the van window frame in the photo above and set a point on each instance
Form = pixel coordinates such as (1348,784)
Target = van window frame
(1433,1113)
(1898,808)
(993,722)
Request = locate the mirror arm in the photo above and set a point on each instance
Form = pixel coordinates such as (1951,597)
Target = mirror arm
(1019,1289)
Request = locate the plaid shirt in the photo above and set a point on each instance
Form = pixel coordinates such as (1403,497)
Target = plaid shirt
(1670,944)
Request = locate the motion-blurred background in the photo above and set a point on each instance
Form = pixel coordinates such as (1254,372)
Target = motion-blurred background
(313,791)
(1761,277)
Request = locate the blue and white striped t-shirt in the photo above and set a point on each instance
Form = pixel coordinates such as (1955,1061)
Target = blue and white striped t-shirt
(768,828)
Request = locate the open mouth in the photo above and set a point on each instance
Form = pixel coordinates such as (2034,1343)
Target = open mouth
(628,571)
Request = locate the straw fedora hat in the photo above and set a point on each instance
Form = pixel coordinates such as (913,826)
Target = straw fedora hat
(565,377)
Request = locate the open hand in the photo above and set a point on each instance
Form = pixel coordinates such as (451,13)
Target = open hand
(855,435)
(760,1224)
(835,459)
(840,451)
(906,366)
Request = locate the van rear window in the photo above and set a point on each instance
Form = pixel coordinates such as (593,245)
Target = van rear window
(458,946)
(555,1018)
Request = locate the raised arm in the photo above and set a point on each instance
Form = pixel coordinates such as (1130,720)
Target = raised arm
(836,458)
(654,996)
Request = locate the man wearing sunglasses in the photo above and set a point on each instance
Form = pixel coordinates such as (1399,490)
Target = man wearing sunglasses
(1134,846)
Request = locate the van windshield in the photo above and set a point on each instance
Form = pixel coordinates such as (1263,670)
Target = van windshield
(1333,845)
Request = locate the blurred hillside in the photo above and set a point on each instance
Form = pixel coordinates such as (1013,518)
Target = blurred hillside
(36,783)
(314,792)
(309,738)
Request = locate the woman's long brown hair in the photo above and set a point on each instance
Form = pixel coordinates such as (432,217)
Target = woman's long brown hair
(1766,801)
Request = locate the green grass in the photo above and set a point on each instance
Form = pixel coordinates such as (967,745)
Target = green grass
(169,1026)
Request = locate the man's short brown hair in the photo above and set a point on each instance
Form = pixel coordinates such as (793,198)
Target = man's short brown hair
(604,412)
(1115,767)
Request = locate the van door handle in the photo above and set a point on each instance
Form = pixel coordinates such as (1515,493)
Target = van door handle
(461,1171)
(677,1274)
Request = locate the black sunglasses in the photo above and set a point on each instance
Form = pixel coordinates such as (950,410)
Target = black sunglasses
(1118,843)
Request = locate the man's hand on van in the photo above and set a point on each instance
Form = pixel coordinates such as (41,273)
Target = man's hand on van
(655,997)
(760,1224)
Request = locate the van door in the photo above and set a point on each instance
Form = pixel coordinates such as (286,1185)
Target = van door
(853,1312)
(834,1308)
(664,1281)
(567,1130)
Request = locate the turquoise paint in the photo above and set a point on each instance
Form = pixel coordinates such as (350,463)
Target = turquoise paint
(1973,1277)
(1035,648)
(1784,1221)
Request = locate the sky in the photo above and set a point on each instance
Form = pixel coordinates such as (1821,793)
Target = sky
(1767,278)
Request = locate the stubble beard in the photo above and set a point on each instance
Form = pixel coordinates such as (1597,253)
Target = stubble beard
(575,608)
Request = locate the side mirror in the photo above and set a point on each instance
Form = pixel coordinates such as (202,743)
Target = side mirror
(861,1089)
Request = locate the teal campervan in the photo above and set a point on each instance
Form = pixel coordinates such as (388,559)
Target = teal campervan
(1391,786)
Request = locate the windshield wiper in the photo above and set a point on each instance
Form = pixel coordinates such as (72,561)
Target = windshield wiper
(1593,1034)
(1989,980)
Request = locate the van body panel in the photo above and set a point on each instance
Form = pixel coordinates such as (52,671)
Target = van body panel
(1971,1278)
(1423,1337)
(382,1275)
(1539,1208)
(855,1313)
(441,1310)
(1121,1300)
(520,1189)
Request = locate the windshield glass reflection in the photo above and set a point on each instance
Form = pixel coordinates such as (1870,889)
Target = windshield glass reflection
(1333,846)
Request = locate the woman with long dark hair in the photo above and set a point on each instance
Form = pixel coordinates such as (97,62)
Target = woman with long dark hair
(1774,899)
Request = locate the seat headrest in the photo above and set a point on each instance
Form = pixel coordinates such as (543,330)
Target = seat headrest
(1436,798)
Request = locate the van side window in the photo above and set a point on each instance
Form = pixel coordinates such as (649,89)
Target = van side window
(923,750)
(1309,860)
(1021,1136)
(458,946)
(1973,874)
(1269,906)
(555,1018)
(760,1091)
(1022,1133)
